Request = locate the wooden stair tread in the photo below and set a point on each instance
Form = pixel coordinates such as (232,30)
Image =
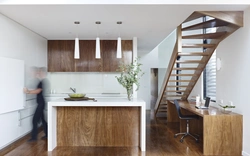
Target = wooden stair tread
(173,95)
(189,61)
(208,24)
(164,104)
(173,98)
(186,69)
(194,54)
(205,36)
(160,110)
(194,16)
(183,75)
(198,45)
(175,91)
(163,109)
(179,81)
(177,86)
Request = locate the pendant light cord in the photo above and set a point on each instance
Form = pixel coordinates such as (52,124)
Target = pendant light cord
(119,28)
(77,23)
(97,23)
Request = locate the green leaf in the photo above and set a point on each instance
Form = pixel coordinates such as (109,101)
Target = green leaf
(130,74)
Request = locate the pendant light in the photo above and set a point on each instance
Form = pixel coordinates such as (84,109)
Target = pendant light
(97,45)
(119,44)
(77,51)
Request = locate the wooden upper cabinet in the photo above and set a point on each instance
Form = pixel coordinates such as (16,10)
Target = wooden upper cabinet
(108,54)
(127,51)
(54,55)
(109,49)
(61,56)
(87,61)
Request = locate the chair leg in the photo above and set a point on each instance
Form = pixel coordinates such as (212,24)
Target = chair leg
(181,140)
(179,134)
(196,138)
(186,134)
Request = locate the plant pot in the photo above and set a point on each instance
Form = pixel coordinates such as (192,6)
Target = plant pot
(129,93)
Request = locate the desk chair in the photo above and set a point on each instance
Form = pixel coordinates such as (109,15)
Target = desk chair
(185,117)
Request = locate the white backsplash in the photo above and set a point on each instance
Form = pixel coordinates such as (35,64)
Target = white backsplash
(94,83)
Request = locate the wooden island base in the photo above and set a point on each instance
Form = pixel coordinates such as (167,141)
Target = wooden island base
(98,126)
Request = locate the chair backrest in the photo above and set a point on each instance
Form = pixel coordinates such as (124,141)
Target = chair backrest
(178,108)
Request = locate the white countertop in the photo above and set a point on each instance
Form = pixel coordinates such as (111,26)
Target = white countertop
(104,101)
(87,94)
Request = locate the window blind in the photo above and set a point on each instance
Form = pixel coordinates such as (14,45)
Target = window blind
(210,78)
(210,70)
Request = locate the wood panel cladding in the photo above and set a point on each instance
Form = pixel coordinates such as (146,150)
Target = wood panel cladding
(61,56)
(108,50)
(87,61)
(98,126)
(227,135)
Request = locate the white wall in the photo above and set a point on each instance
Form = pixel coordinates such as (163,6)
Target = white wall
(233,78)
(148,61)
(19,43)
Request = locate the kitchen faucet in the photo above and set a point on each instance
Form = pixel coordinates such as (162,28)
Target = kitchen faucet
(73,89)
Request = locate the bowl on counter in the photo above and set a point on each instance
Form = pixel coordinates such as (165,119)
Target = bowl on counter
(226,109)
(76,95)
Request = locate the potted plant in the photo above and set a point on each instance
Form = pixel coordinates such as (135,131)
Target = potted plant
(130,74)
(226,109)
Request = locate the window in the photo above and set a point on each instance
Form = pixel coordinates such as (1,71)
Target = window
(209,78)
(209,73)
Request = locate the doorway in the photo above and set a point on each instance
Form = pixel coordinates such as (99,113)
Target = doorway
(153,87)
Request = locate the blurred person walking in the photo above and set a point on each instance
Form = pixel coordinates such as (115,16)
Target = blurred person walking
(39,112)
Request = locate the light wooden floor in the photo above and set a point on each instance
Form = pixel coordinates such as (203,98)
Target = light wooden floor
(160,141)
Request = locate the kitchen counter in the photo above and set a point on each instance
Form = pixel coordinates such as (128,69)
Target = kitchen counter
(112,122)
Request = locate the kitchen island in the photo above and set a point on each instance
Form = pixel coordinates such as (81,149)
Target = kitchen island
(110,122)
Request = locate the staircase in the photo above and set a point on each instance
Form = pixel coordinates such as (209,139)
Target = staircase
(196,40)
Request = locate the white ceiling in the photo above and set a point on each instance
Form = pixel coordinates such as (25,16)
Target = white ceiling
(149,23)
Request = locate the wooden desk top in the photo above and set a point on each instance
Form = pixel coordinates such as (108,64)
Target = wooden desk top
(190,106)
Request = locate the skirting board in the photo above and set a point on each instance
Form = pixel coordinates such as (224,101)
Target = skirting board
(20,137)
(8,144)
(245,153)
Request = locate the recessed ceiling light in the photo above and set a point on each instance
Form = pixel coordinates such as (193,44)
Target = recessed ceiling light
(77,22)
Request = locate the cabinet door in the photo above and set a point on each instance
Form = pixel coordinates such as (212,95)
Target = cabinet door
(54,56)
(60,55)
(67,56)
(109,50)
(127,51)
(87,61)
